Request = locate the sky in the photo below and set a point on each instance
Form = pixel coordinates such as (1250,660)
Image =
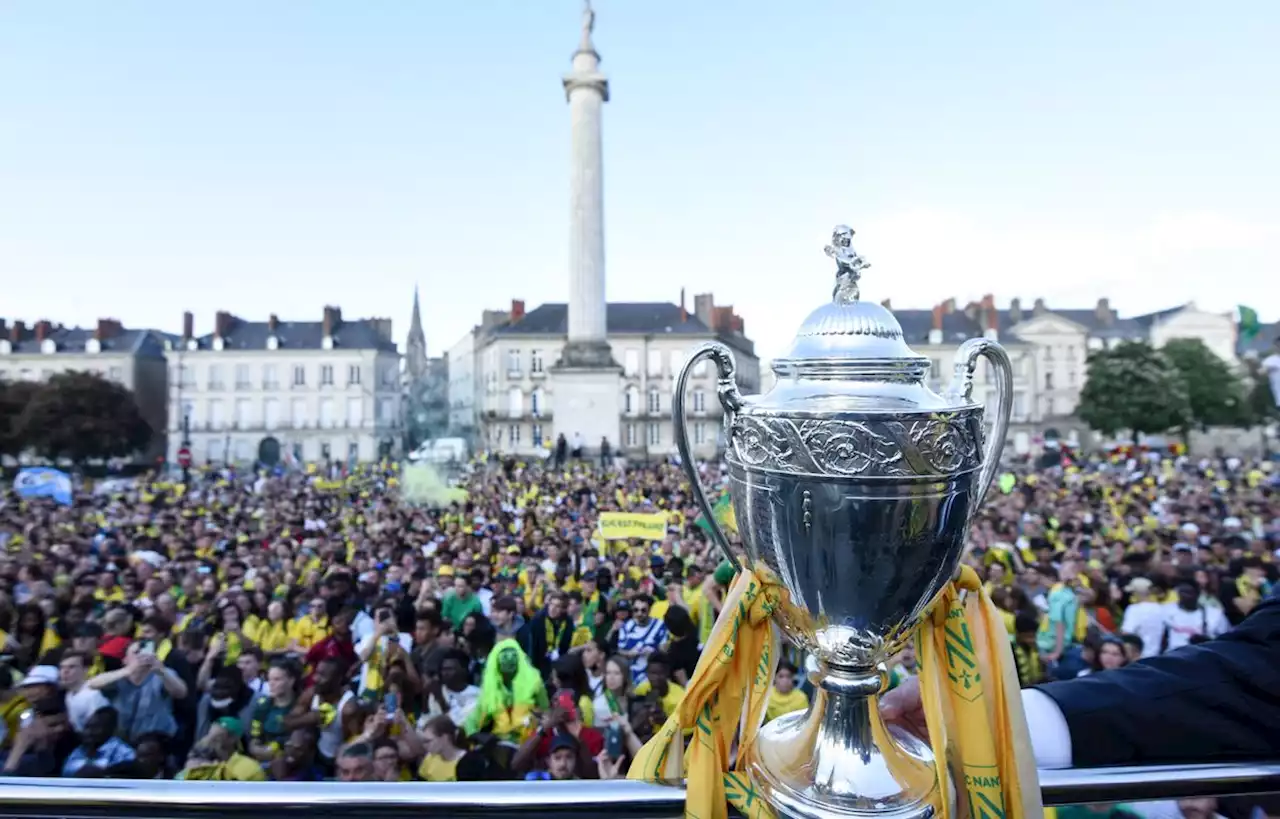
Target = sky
(261,158)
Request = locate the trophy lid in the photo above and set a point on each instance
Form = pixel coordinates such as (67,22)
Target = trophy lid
(849,338)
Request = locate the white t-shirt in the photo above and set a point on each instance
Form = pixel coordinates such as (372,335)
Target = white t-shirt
(1183,624)
(83,704)
(461,704)
(1146,620)
(1271,366)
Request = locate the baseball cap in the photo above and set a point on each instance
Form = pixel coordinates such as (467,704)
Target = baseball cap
(563,741)
(1138,585)
(40,675)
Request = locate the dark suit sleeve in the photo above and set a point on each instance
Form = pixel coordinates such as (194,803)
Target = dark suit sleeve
(1203,703)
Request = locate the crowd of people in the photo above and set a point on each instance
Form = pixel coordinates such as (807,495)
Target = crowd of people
(297,627)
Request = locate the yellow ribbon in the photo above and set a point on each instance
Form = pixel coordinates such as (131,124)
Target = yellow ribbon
(727,694)
(969,688)
(967,676)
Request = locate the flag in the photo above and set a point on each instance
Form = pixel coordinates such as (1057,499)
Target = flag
(1249,324)
(722,511)
(39,482)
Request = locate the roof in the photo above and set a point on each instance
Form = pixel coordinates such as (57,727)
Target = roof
(357,334)
(72,340)
(621,318)
(957,326)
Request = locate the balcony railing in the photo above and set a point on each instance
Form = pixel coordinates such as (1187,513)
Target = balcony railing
(156,799)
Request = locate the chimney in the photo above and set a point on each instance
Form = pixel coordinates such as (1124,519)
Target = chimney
(971,311)
(949,306)
(1039,309)
(328,322)
(935,330)
(382,326)
(517,310)
(739,326)
(1103,311)
(887,304)
(1015,311)
(42,329)
(188,325)
(222,324)
(107,328)
(684,314)
(273,323)
(4,325)
(19,330)
(992,329)
(703,305)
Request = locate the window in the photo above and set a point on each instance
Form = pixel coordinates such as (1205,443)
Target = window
(655,363)
(631,402)
(116,374)
(1048,407)
(215,377)
(243,415)
(631,434)
(631,362)
(1071,354)
(699,401)
(212,449)
(271,413)
(326,375)
(269,379)
(536,440)
(298,412)
(186,376)
(655,402)
(386,411)
(700,369)
(244,450)
(699,433)
(1048,354)
(655,434)
(389,375)
(353,452)
(27,375)
(299,375)
(242,376)
(1071,378)
(513,362)
(535,361)
(513,434)
(515,402)
(326,412)
(1048,381)
(1019,405)
(215,414)
(355,412)
(535,404)
(353,375)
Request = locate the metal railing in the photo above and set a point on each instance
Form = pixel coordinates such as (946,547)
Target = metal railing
(91,799)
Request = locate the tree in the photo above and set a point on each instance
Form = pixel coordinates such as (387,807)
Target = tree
(1133,387)
(81,417)
(14,397)
(1215,393)
(1260,405)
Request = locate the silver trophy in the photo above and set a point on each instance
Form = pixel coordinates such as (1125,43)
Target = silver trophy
(853,484)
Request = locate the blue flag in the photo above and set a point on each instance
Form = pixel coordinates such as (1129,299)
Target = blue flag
(43,482)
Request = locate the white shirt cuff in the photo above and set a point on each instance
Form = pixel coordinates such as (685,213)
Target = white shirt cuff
(1050,735)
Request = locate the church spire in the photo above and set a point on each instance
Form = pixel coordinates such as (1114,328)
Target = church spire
(416,346)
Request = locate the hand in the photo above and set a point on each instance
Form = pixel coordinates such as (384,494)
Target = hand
(902,707)
(608,768)
(1053,656)
(218,643)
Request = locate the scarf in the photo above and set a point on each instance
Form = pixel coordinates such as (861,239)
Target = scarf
(963,656)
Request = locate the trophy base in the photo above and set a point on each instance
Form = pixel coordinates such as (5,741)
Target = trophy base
(839,759)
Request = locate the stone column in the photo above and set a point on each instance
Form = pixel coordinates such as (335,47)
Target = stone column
(586,90)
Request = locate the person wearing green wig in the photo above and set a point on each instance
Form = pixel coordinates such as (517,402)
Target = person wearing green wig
(510,692)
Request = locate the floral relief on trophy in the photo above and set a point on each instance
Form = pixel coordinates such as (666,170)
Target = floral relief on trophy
(942,444)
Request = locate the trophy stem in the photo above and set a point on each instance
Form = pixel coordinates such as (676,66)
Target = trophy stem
(839,759)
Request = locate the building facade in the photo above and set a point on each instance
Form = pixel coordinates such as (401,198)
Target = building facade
(285,391)
(132,358)
(514,397)
(1048,349)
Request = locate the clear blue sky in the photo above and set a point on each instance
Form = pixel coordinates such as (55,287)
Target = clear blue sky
(275,157)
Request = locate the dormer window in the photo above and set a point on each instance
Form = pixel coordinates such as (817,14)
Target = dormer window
(6,346)
(48,346)
(217,342)
(273,342)
(168,344)
(327,343)
(193,345)
(93,346)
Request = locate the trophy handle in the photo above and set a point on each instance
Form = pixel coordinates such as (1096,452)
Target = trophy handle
(961,389)
(731,402)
